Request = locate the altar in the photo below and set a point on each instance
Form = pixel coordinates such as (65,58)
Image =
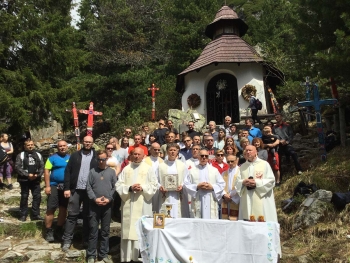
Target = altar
(208,241)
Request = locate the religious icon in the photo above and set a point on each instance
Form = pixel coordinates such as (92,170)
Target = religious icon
(170,182)
(158,220)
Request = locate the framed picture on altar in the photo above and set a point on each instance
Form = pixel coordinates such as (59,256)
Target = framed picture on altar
(158,220)
(170,182)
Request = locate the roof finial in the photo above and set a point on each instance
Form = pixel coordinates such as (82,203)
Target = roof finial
(225,2)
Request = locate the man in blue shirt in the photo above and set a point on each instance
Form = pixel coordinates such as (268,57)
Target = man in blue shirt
(187,151)
(253,132)
(54,178)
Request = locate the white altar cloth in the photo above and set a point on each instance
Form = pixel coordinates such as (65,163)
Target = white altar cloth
(208,241)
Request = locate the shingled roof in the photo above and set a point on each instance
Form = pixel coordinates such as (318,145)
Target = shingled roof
(225,49)
(227,14)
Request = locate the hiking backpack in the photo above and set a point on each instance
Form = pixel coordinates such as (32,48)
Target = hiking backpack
(258,104)
(3,155)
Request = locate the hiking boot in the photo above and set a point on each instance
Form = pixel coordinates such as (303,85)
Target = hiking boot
(49,235)
(38,217)
(22,218)
(58,233)
(91,260)
(107,260)
(2,185)
(66,247)
(10,186)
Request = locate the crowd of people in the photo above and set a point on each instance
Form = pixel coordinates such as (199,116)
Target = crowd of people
(223,173)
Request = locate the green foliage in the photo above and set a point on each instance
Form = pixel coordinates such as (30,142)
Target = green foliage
(39,55)
(121,47)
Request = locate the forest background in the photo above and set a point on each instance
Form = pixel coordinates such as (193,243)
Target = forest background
(120,47)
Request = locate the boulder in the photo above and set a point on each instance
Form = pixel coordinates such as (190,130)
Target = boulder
(312,209)
(55,255)
(11,256)
(181,118)
(35,255)
(5,245)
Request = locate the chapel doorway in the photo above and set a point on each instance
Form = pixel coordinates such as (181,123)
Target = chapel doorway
(222,98)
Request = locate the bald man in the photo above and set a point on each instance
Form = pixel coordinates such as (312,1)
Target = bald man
(254,185)
(75,179)
(154,160)
(136,186)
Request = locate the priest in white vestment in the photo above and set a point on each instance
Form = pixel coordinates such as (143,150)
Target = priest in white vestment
(178,197)
(193,161)
(255,186)
(136,186)
(154,160)
(205,186)
(230,198)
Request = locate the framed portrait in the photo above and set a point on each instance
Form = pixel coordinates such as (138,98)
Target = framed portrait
(158,220)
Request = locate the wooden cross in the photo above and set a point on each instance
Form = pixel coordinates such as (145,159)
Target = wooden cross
(317,103)
(76,124)
(153,88)
(90,122)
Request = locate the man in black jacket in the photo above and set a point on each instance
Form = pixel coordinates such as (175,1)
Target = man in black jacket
(75,178)
(30,168)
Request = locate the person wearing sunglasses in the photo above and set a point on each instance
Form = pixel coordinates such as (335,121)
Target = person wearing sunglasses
(219,163)
(230,198)
(112,162)
(209,146)
(100,188)
(205,185)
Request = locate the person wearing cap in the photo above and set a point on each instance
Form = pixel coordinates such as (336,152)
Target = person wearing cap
(159,133)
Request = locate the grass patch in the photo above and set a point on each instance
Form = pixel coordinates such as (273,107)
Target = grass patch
(326,241)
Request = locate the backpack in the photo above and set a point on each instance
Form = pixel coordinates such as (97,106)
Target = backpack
(304,189)
(258,104)
(3,155)
(340,200)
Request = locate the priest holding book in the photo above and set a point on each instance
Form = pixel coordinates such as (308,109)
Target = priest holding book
(172,173)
